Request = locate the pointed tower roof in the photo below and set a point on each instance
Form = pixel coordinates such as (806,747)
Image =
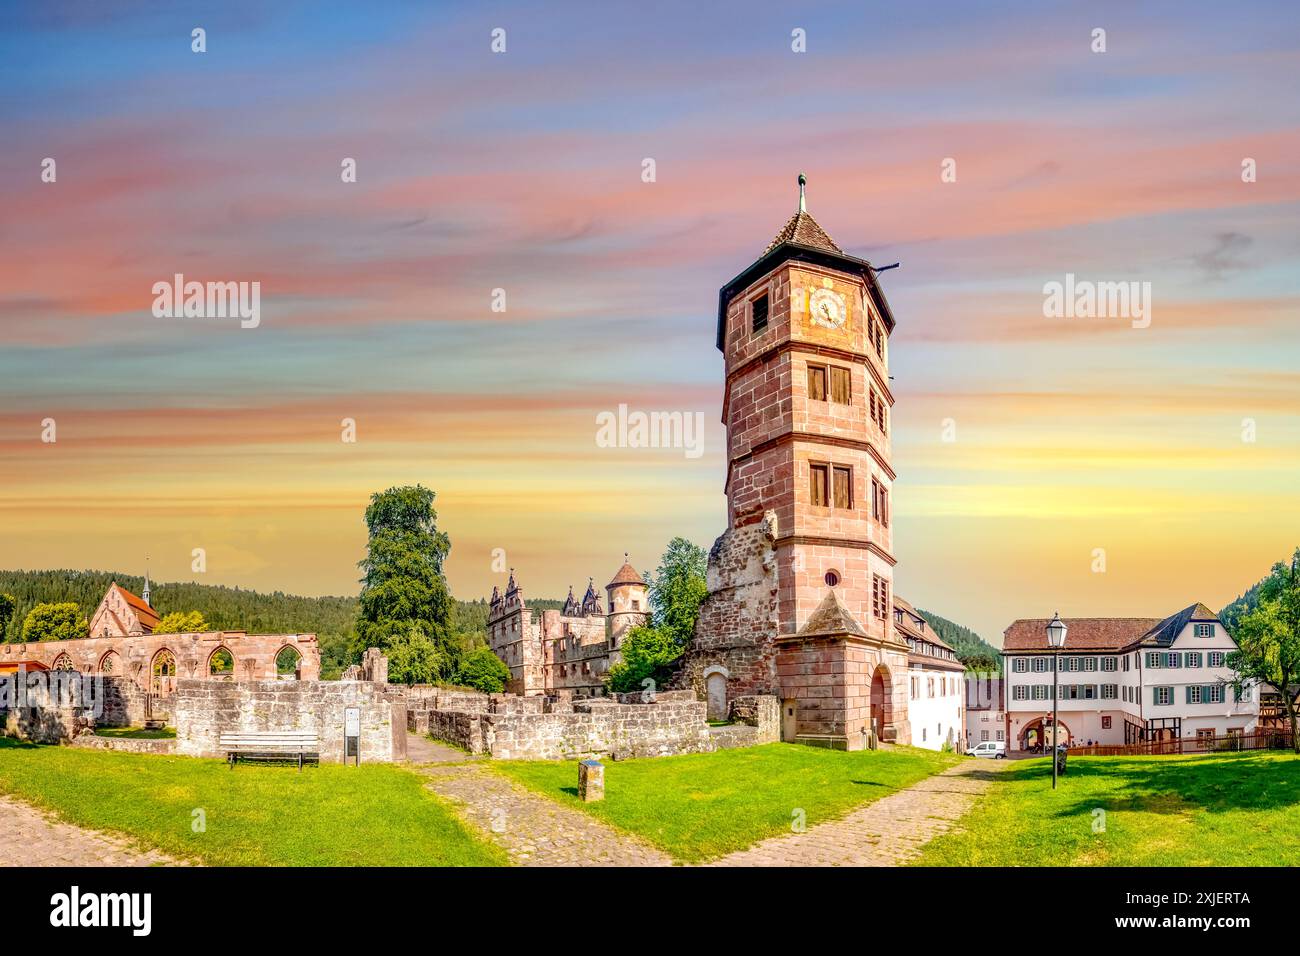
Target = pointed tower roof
(802,239)
(803,229)
(591,600)
(831,618)
(626,575)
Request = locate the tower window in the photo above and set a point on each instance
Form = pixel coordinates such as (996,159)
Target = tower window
(830,486)
(758,310)
(879,597)
(817,383)
(879,502)
(877,408)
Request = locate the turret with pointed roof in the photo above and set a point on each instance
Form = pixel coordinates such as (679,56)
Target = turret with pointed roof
(591,600)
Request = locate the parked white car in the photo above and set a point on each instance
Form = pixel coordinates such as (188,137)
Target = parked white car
(996,749)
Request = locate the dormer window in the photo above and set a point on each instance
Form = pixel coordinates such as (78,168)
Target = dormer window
(1204,630)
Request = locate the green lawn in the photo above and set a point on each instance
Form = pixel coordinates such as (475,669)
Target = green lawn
(699,806)
(1221,810)
(256,815)
(136,733)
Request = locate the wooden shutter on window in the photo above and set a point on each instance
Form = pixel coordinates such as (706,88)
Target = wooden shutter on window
(817,383)
(843,490)
(840,385)
(818,489)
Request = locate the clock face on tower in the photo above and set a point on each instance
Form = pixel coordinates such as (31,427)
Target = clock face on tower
(827,308)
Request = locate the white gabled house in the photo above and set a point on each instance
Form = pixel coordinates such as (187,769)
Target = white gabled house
(936,684)
(1124,681)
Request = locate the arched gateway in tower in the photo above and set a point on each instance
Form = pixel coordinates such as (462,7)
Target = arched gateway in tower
(801,583)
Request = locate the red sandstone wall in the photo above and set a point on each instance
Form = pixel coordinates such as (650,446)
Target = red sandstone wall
(132,657)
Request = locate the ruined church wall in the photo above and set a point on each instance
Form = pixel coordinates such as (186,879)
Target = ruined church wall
(738,622)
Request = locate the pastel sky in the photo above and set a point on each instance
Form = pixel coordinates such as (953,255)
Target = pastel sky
(522,171)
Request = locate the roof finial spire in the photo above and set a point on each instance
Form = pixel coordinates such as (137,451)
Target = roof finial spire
(803,181)
(146,595)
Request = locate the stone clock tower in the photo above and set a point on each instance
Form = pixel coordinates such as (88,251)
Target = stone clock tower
(801,585)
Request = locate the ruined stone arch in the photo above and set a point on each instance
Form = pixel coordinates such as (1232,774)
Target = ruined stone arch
(162,671)
(110,663)
(221,664)
(285,667)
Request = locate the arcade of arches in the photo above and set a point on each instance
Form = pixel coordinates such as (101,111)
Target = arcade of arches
(156,661)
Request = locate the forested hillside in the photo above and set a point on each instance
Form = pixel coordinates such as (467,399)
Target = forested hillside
(331,619)
(972,650)
(1233,613)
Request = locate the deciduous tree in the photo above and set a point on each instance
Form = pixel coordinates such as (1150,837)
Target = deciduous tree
(1268,639)
(182,622)
(55,622)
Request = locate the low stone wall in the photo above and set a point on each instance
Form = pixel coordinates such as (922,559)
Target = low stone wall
(760,711)
(125,744)
(49,707)
(539,728)
(125,704)
(433,697)
(206,709)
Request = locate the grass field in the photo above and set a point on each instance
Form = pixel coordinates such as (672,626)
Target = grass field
(258,815)
(1221,810)
(699,806)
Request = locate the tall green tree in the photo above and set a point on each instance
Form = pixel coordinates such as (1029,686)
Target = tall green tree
(1268,639)
(414,659)
(678,589)
(650,652)
(403,590)
(55,622)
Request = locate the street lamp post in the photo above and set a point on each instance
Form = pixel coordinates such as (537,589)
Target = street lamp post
(1056,640)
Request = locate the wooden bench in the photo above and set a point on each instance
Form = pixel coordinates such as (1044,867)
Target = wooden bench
(291,745)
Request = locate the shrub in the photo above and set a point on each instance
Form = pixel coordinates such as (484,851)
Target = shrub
(483,671)
(649,653)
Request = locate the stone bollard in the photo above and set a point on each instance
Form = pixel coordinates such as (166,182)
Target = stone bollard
(591,781)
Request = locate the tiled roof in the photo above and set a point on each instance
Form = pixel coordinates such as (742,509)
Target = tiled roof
(908,628)
(1164,632)
(626,575)
(147,615)
(831,618)
(1082,633)
(803,230)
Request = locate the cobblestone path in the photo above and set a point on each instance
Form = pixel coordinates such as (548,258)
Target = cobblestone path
(29,837)
(889,832)
(535,830)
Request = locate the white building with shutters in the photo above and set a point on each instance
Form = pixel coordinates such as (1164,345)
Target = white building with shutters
(1124,680)
(936,684)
